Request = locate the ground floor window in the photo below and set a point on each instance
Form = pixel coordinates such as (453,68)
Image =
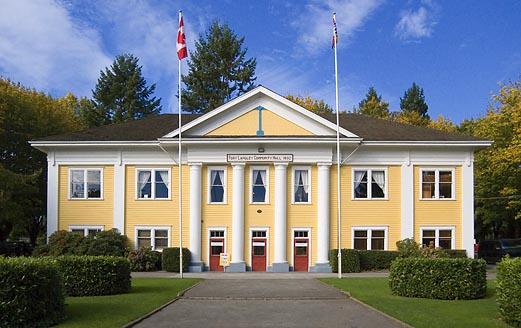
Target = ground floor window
(438,237)
(156,238)
(370,238)
(86,230)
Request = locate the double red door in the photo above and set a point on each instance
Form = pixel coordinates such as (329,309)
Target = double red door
(258,254)
(216,248)
(301,255)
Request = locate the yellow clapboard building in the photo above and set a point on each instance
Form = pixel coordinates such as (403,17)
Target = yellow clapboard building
(259,183)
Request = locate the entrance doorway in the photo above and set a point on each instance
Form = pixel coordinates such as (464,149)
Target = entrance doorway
(216,248)
(301,251)
(258,251)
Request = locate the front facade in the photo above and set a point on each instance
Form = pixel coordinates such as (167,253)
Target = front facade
(259,182)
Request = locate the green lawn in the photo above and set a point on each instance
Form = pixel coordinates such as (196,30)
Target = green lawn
(419,312)
(118,310)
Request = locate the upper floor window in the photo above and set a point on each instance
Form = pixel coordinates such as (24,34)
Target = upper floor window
(437,184)
(301,185)
(217,185)
(369,183)
(153,184)
(85,183)
(259,185)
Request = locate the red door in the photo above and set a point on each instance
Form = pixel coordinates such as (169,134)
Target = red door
(258,254)
(301,251)
(216,248)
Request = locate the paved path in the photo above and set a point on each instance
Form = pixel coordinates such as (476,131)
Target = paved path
(266,303)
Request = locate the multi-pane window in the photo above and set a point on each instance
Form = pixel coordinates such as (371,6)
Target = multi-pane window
(437,184)
(370,238)
(258,234)
(156,238)
(369,184)
(85,183)
(153,184)
(217,186)
(86,230)
(438,237)
(259,185)
(301,183)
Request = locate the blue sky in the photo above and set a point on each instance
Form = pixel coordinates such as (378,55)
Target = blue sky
(458,51)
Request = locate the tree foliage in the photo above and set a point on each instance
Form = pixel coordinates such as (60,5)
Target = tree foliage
(373,105)
(121,95)
(316,106)
(218,70)
(413,101)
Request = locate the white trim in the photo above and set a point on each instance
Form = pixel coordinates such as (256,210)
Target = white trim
(437,171)
(152,235)
(407,200)
(85,183)
(224,181)
(301,168)
(369,230)
(293,230)
(153,182)
(369,171)
(208,240)
(53,183)
(437,234)
(86,228)
(119,197)
(467,208)
(267,250)
(266,183)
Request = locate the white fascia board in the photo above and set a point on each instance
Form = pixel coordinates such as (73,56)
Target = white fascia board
(263,140)
(45,146)
(474,144)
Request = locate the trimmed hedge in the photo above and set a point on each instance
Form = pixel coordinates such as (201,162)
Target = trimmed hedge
(170,260)
(376,260)
(438,278)
(31,293)
(509,290)
(456,253)
(144,259)
(94,275)
(350,260)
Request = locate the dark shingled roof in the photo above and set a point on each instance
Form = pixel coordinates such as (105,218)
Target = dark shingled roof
(368,128)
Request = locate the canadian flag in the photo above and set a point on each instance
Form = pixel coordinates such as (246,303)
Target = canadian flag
(181,40)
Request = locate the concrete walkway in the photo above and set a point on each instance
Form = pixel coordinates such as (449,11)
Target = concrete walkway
(274,300)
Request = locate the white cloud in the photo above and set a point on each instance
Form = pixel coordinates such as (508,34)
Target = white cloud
(414,25)
(43,47)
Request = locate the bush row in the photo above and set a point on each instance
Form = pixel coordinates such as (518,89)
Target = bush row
(31,293)
(509,290)
(171,259)
(438,278)
(356,260)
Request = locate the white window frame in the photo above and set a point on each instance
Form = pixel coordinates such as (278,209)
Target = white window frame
(152,235)
(300,168)
(85,185)
(369,171)
(437,234)
(86,228)
(369,230)
(208,239)
(224,181)
(437,183)
(266,184)
(153,182)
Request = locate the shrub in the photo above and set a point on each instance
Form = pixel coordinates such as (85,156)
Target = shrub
(456,253)
(145,259)
(350,260)
(171,259)
(67,243)
(107,243)
(408,248)
(376,260)
(438,278)
(94,275)
(509,290)
(15,248)
(31,293)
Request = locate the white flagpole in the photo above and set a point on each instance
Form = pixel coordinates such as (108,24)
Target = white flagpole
(337,153)
(180,176)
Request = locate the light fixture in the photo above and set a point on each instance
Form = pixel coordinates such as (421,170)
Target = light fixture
(260,149)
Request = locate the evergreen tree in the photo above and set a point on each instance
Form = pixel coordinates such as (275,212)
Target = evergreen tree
(373,105)
(122,94)
(218,70)
(414,101)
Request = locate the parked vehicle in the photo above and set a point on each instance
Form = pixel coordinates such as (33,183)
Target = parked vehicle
(493,251)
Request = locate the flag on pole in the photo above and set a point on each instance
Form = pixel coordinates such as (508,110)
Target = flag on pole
(335,33)
(181,40)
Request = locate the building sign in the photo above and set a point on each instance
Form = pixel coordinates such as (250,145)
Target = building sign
(224,259)
(260,158)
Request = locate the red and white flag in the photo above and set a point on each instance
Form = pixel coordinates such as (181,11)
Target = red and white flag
(335,33)
(181,40)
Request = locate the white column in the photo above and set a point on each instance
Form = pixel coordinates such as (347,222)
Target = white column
(52,194)
(323,213)
(119,197)
(280,262)
(238,217)
(407,200)
(467,204)
(195,212)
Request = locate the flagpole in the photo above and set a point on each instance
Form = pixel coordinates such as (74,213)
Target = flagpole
(180,172)
(335,41)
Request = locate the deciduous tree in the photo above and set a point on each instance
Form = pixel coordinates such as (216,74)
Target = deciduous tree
(313,105)
(373,105)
